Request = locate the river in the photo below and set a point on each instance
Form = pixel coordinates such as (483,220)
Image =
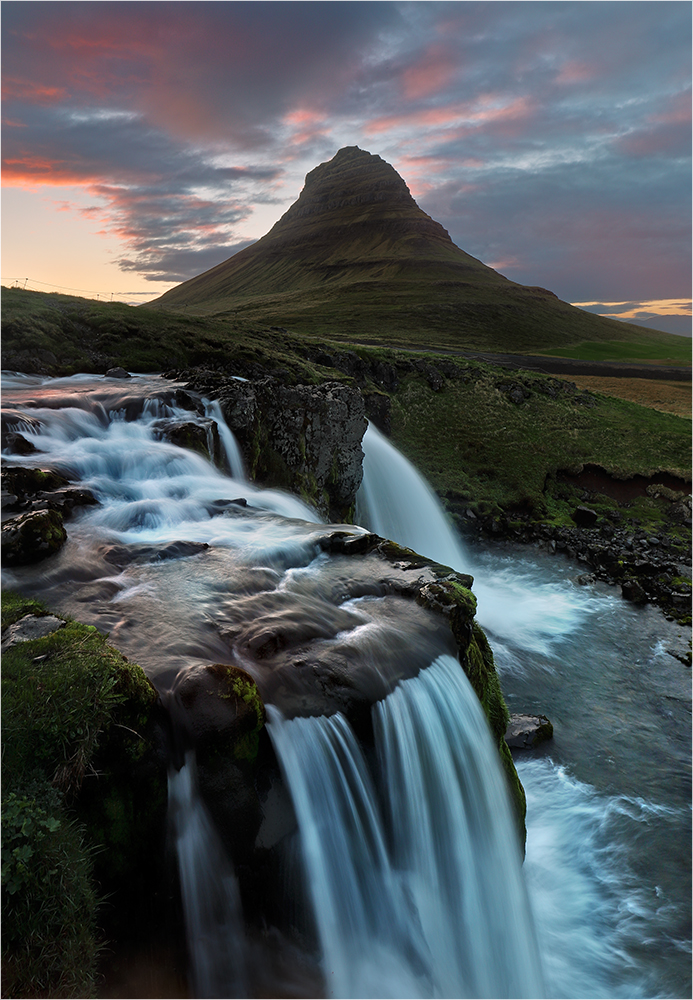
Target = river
(607,868)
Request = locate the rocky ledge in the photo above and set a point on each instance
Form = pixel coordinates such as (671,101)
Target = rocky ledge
(647,566)
(303,438)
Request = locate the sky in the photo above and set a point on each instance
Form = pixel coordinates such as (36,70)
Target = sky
(145,142)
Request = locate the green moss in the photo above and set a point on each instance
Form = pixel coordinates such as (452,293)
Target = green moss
(479,666)
(15,607)
(71,708)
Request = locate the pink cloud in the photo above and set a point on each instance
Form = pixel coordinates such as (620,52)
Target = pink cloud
(431,73)
(489,109)
(575,71)
(14,89)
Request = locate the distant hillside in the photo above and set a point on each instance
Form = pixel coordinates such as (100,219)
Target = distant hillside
(355,258)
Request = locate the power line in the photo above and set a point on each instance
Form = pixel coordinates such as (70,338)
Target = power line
(22,282)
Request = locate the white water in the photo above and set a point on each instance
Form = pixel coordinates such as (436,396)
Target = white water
(211,902)
(414,871)
(512,602)
(608,847)
(607,870)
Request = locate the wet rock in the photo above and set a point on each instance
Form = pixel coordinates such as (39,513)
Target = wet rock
(220,709)
(303,438)
(31,537)
(17,444)
(201,436)
(585,517)
(378,410)
(525,732)
(25,490)
(117,373)
(633,591)
(30,627)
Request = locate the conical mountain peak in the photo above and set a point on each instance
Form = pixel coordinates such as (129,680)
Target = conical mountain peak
(351,178)
(355,257)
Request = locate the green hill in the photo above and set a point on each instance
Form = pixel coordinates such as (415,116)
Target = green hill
(356,259)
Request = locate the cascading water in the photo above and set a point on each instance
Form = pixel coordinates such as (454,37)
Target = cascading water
(171,561)
(608,857)
(414,870)
(211,900)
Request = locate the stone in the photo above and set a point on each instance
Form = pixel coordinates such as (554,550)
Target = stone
(525,732)
(632,590)
(30,627)
(17,444)
(117,373)
(585,517)
(28,538)
(304,438)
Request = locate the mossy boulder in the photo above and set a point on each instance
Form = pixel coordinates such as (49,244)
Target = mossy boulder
(220,713)
(29,538)
(449,595)
(84,799)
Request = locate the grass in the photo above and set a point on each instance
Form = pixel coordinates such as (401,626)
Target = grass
(61,695)
(62,334)
(676,350)
(472,441)
(87,336)
(665,395)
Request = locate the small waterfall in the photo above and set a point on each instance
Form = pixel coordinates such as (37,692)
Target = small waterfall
(414,872)
(395,501)
(514,605)
(211,902)
(232,451)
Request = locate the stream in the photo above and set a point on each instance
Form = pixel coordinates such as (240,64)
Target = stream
(180,557)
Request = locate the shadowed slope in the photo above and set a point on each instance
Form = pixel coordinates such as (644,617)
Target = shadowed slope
(355,257)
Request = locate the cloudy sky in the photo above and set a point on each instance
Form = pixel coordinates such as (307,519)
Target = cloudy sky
(146,142)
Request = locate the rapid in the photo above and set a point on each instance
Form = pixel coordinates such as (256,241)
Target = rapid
(405,855)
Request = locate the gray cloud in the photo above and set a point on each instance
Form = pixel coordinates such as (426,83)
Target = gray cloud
(553,136)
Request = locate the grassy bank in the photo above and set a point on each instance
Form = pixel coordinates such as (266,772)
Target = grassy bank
(63,334)
(71,708)
(472,439)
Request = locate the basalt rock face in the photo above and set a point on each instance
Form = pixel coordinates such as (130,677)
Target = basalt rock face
(302,438)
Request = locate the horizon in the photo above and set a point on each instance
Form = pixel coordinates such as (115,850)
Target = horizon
(552,141)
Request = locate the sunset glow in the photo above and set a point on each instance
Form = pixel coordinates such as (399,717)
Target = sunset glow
(159,139)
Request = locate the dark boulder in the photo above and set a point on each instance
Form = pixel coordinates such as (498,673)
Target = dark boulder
(585,517)
(633,591)
(525,732)
(219,709)
(17,444)
(28,538)
(117,373)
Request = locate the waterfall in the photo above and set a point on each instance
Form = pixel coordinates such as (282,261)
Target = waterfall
(408,849)
(211,902)
(414,870)
(395,501)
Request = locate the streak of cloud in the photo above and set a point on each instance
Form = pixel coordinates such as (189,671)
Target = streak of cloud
(550,138)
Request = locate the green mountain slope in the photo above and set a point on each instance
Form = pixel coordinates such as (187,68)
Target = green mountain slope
(355,258)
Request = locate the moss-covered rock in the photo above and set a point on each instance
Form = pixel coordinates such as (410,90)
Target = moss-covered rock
(448,594)
(220,713)
(31,537)
(84,797)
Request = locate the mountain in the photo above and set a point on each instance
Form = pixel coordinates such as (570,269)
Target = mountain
(356,258)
